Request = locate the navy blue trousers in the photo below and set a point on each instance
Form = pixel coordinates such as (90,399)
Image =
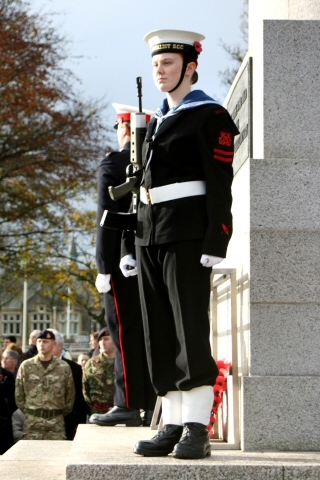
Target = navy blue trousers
(175,293)
(133,387)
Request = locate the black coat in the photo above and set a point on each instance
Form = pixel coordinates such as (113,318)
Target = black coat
(195,144)
(112,172)
(30,353)
(7,407)
(80,408)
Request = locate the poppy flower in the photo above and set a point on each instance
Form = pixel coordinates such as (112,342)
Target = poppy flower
(221,380)
(197,47)
(217,389)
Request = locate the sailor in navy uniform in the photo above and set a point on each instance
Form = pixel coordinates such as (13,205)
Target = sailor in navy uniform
(133,389)
(184,226)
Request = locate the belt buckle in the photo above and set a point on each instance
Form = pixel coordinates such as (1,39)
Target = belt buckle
(148,196)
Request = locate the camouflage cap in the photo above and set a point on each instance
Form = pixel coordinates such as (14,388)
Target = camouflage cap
(103,333)
(46,334)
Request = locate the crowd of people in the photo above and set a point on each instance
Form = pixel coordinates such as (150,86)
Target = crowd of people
(44,395)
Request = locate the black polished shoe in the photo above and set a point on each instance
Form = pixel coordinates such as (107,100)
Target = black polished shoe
(160,445)
(146,418)
(117,415)
(194,443)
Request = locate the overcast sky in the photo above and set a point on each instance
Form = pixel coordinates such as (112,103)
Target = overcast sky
(108,34)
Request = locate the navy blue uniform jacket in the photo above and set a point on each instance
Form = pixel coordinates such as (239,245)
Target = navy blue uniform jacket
(194,144)
(111,173)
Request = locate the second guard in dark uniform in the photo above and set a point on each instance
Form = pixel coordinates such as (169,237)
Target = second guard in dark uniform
(133,389)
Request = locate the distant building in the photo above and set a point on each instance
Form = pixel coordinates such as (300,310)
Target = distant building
(43,312)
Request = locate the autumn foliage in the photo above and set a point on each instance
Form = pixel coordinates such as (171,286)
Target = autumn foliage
(51,142)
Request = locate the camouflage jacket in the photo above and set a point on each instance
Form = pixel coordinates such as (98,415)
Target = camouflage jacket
(50,388)
(98,381)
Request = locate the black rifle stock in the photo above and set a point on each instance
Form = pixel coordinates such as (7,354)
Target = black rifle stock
(122,190)
(118,220)
(138,126)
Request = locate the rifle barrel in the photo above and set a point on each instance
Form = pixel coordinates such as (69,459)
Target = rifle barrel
(139,87)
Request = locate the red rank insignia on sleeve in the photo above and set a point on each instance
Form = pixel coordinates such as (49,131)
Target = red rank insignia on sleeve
(225,139)
(222,155)
(225,228)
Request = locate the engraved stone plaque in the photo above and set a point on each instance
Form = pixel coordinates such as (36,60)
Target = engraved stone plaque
(239,105)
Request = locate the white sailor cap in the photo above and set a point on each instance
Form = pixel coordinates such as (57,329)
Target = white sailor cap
(180,41)
(124,113)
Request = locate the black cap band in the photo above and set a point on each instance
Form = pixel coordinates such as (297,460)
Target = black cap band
(173,47)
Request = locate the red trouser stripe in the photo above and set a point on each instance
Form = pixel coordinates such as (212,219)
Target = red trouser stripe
(121,343)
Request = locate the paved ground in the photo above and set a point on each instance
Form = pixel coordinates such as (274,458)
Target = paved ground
(35,460)
(105,453)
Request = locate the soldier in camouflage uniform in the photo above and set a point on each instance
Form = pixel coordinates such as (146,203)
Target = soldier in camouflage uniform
(44,392)
(99,374)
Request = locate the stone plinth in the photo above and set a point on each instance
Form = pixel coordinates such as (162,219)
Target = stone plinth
(280,413)
(35,460)
(276,241)
(105,453)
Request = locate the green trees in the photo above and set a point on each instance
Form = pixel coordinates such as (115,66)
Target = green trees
(51,142)
(238,51)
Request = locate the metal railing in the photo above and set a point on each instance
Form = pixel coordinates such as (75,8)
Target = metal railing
(228,422)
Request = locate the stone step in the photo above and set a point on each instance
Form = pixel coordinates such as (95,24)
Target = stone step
(35,460)
(106,453)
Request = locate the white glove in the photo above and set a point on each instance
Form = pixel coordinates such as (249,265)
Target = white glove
(209,260)
(103,283)
(128,266)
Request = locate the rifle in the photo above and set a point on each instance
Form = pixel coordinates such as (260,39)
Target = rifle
(138,126)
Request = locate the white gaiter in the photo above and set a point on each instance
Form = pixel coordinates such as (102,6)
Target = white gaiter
(171,408)
(197,405)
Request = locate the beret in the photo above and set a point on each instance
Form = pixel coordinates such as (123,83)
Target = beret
(46,334)
(103,333)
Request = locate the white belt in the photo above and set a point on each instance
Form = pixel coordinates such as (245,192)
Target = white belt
(172,191)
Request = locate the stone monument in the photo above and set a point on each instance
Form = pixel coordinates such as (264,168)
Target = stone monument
(276,242)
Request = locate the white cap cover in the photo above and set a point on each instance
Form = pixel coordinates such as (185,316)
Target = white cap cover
(124,112)
(180,41)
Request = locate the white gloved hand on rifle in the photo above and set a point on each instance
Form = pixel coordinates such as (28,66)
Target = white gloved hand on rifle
(128,265)
(209,260)
(103,284)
